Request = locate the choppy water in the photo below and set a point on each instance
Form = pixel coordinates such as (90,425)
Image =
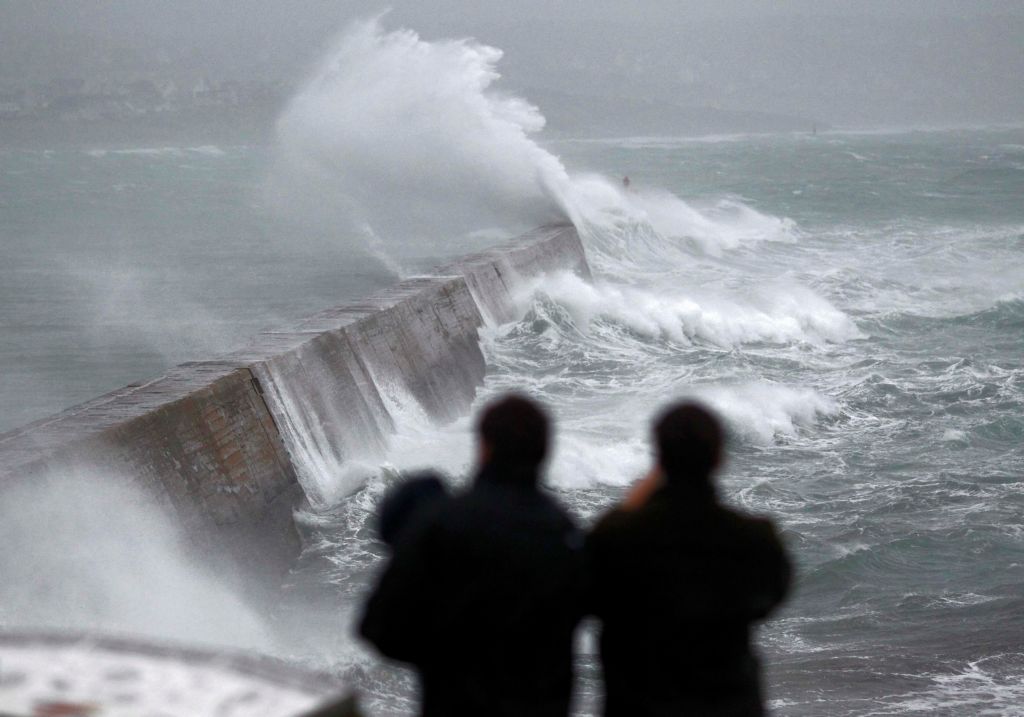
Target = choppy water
(853,304)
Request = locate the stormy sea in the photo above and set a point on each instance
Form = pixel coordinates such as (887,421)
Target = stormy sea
(852,303)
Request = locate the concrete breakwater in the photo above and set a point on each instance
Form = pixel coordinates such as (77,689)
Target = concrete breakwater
(229,445)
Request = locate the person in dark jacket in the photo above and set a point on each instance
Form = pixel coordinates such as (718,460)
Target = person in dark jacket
(483,593)
(679,579)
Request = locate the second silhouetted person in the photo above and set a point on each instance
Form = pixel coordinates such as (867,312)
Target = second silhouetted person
(679,580)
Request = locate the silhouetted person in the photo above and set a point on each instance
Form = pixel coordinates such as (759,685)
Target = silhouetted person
(483,592)
(679,579)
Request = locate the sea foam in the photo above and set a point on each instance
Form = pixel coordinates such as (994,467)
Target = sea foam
(795,314)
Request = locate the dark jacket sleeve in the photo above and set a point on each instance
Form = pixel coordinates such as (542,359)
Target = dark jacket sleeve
(776,571)
(397,617)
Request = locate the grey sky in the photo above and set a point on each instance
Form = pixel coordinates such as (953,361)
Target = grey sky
(913,61)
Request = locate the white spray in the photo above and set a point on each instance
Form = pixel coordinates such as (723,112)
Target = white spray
(408,145)
(84,551)
(408,137)
(407,142)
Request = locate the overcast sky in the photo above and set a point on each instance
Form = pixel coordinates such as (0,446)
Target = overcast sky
(924,61)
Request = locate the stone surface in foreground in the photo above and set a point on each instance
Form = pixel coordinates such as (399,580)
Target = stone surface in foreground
(51,676)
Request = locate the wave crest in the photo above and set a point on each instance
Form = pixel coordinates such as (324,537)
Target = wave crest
(408,137)
(795,315)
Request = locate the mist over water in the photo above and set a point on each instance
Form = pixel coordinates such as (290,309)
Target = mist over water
(409,141)
(86,551)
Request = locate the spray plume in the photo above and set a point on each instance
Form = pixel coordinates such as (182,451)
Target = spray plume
(407,137)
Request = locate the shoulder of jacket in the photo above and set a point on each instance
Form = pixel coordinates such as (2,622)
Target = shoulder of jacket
(757,527)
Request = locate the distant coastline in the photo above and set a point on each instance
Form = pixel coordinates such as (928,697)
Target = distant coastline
(75,111)
(254,124)
(219,126)
(590,115)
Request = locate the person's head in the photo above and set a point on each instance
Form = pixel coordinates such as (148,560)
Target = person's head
(513,432)
(689,440)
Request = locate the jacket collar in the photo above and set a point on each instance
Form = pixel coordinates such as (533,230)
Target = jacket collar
(510,474)
(685,488)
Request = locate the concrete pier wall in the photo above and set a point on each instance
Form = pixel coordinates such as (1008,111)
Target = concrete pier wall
(496,276)
(227,443)
(199,441)
(329,384)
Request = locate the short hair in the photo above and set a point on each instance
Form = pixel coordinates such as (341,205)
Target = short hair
(515,429)
(689,440)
